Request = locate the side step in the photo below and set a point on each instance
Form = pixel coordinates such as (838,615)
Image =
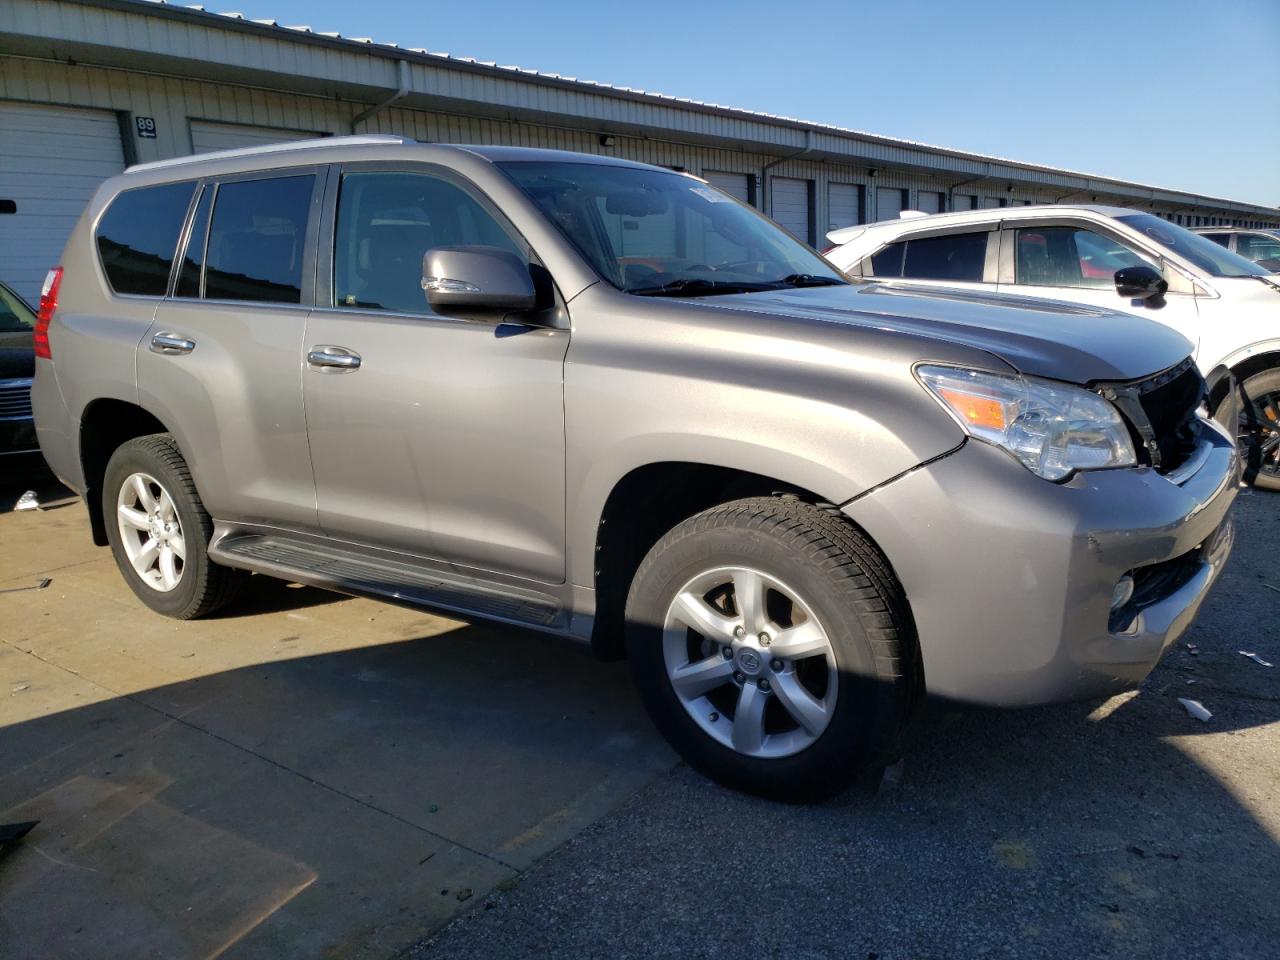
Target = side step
(346,570)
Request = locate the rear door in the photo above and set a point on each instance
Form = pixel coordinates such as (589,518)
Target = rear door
(438,436)
(222,362)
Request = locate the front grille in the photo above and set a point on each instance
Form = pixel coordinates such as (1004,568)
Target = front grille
(1161,411)
(15,399)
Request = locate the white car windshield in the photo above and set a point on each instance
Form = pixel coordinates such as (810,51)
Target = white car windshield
(1213,259)
(649,232)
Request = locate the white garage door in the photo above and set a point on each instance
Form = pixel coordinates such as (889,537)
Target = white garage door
(844,205)
(207,136)
(890,201)
(51,161)
(928,201)
(734,184)
(791,206)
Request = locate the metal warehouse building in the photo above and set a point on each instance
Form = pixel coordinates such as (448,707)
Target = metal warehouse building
(87,88)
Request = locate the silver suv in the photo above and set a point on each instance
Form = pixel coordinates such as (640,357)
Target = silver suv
(605,400)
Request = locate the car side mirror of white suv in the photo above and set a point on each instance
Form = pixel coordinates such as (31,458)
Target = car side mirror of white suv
(1142,283)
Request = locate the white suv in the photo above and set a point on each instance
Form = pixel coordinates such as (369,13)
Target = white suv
(1109,257)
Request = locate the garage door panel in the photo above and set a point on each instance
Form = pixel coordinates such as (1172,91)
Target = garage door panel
(734,184)
(209,135)
(844,205)
(791,206)
(52,159)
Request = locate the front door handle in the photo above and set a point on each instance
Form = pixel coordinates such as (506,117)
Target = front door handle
(327,357)
(171,343)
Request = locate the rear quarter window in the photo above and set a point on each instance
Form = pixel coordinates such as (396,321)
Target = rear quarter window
(138,234)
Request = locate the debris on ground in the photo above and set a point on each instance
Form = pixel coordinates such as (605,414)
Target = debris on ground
(1270,587)
(464,894)
(1255,658)
(20,687)
(39,585)
(1193,649)
(28,501)
(890,777)
(1196,709)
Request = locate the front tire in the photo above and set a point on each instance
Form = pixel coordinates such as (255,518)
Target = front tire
(159,531)
(771,645)
(1257,406)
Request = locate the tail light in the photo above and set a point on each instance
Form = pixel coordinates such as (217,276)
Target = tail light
(48,304)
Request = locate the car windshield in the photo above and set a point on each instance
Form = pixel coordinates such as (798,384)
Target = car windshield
(650,232)
(1215,260)
(15,315)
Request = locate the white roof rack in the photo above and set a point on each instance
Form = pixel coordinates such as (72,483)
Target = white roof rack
(283,147)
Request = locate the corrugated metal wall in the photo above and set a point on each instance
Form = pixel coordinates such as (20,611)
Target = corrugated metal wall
(175,102)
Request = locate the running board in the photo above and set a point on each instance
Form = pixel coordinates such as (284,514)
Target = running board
(347,570)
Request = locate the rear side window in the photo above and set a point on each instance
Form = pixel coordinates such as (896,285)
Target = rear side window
(138,234)
(958,257)
(256,240)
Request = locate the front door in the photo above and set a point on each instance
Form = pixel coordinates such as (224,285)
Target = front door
(430,435)
(1078,264)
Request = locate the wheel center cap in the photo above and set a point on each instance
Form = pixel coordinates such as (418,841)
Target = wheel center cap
(749,661)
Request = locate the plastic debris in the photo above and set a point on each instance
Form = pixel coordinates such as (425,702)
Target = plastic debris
(20,687)
(1256,659)
(38,585)
(1196,709)
(28,501)
(1193,649)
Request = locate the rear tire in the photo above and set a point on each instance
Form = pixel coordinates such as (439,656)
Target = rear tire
(1257,401)
(827,714)
(159,531)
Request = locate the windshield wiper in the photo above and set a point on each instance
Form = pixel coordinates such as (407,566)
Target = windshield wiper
(810,280)
(700,287)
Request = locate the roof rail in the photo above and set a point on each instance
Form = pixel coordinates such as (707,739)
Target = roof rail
(284,147)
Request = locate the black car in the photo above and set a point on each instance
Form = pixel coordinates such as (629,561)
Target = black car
(19,453)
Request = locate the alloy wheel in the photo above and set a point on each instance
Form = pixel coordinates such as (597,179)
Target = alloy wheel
(750,662)
(1260,426)
(151,532)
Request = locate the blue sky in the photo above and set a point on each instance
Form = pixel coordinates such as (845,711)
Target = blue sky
(1174,93)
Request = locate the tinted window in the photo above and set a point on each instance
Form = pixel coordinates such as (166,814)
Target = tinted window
(256,240)
(1222,239)
(1070,257)
(888,262)
(387,221)
(193,259)
(138,234)
(15,316)
(958,256)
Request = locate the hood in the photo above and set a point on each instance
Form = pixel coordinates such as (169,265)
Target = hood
(1040,338)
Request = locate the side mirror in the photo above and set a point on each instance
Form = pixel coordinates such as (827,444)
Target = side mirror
(1141,283)
(477,278)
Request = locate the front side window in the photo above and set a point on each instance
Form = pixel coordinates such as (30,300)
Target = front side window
(649,232)
(387,221)
(1192,247)
(1258,247)
(1069,257)
(138,234)
(256,240)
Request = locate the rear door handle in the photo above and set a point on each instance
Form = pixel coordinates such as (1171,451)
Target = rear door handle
(171,343)
(327,357)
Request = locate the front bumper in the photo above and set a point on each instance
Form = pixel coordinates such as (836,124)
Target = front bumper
(1010,578)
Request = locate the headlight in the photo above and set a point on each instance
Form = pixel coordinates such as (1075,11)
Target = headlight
(1053,428)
